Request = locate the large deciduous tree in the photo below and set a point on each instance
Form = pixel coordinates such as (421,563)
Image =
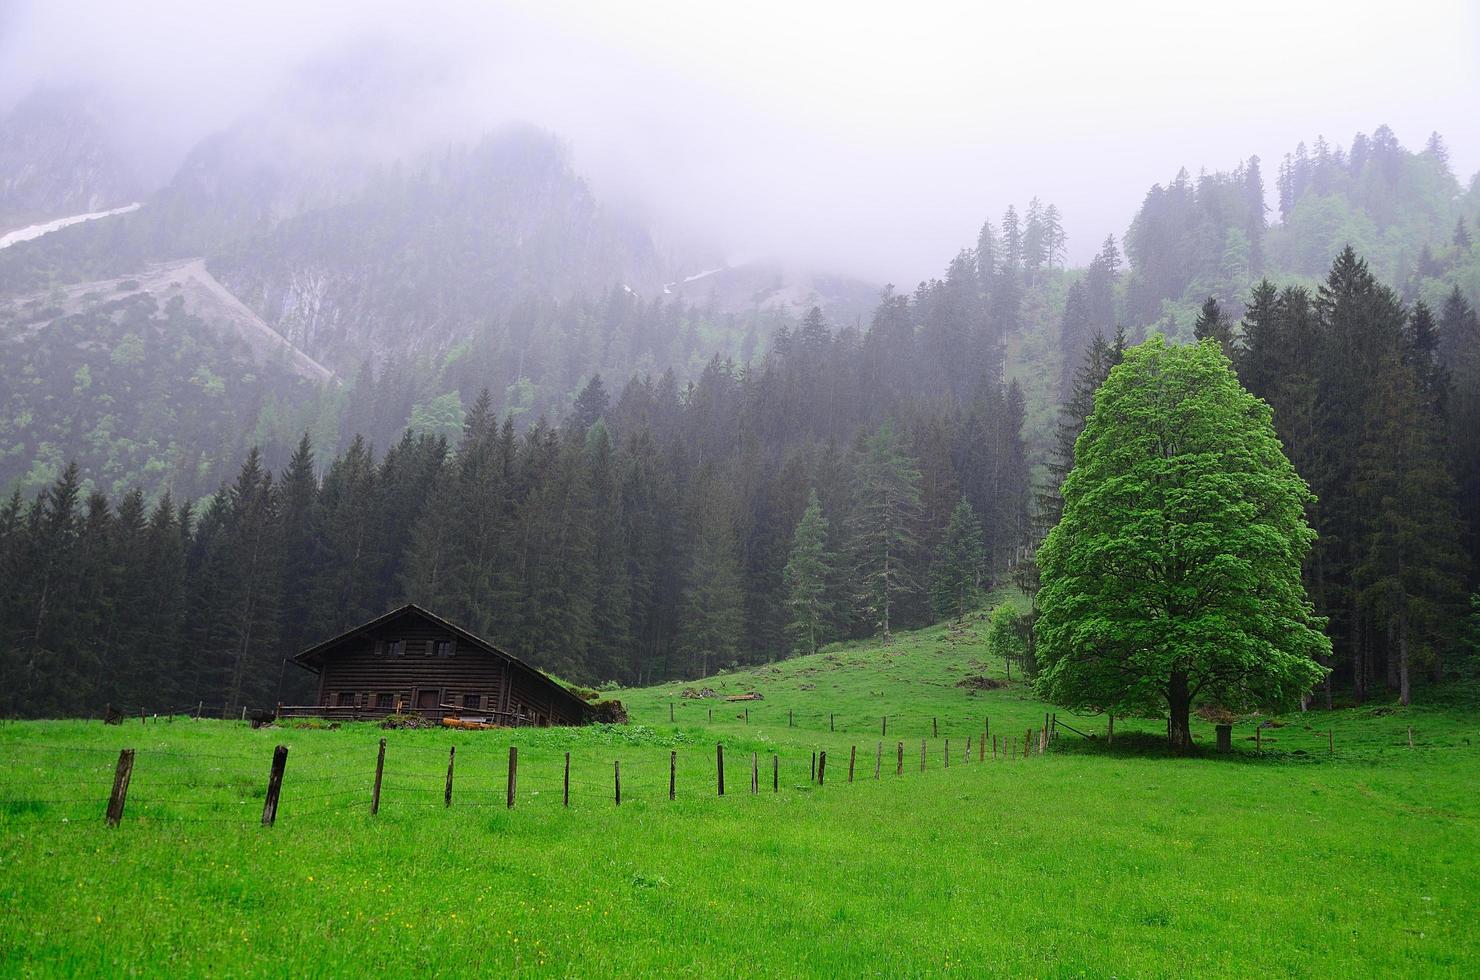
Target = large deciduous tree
(1173,577)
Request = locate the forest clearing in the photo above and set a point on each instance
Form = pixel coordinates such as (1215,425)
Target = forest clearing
(1336,849)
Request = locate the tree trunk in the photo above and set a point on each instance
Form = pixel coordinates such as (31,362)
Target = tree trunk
(1404,692)
(1391,665)
(1179,708)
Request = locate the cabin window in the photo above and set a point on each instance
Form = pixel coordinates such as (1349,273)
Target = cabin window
(384,700)
(346,699)
(395,648)
(472,701)
(444,648)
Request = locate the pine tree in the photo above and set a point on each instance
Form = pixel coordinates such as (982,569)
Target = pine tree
(1409,571)
(591,404)
(711,618)
(1054,239)
(885,509)
(1211,323)
(806,579)
(957,575)
(612,596)
(1459,357)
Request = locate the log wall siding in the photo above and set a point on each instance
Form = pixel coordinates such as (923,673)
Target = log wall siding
(501,685)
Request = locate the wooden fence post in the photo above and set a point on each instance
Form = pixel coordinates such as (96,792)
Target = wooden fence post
(719,766)
(1110,730)
(967,756)
(447,794)
(617,780)
(822,767)
(672,774)
(1259,739)
(852,757)
(899,764)
(884,723)
(1330,741)
(565,788)
(755,773)
(747,714)
(812,772)
(670,712)
(922,755)
(711,716)
(986,726)
(994,748)
(788,718)
(830,725)
(1410,736)
(513,773)
(775,773)
(981,748)
(121,776)
(878,759)
(379,771)
(274,785)
(947,753)
(934,728)
(1027,742)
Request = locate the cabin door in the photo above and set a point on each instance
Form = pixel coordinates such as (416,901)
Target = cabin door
(429,700)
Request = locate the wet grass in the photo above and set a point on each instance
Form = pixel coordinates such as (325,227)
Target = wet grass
(1089,859)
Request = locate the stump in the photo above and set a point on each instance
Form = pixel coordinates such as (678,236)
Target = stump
(1225,738)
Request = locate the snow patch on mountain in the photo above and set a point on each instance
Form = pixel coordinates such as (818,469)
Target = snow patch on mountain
(46,227)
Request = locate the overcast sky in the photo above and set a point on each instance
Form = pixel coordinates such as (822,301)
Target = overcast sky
(869,138)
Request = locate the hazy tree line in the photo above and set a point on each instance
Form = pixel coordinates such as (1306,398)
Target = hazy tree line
(849,483)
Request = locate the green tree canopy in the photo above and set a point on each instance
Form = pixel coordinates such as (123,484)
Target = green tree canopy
(1173,578)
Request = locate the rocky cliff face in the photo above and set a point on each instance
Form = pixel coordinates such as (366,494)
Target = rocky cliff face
(56,160)
(420,258)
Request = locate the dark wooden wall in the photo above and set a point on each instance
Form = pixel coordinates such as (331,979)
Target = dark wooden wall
(501,685)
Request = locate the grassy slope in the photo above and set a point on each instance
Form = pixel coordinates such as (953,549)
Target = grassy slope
(1080,861)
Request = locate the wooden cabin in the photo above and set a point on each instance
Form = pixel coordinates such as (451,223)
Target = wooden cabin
(410,661)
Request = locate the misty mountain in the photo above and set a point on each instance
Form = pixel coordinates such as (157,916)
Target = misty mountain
(421,257)
(58,159)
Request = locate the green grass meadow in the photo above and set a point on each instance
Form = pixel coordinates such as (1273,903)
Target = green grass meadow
(1087,860)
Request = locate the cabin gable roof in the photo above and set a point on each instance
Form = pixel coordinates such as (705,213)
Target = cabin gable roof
(315,657)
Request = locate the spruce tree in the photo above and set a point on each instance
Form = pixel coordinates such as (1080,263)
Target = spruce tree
(1212,323)
(957,574)
(885,508)
(806,579)
(711,616)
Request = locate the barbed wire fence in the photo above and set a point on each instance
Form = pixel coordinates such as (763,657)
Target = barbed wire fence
(80,783)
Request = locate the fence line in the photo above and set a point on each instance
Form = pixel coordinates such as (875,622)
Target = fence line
(416,779)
